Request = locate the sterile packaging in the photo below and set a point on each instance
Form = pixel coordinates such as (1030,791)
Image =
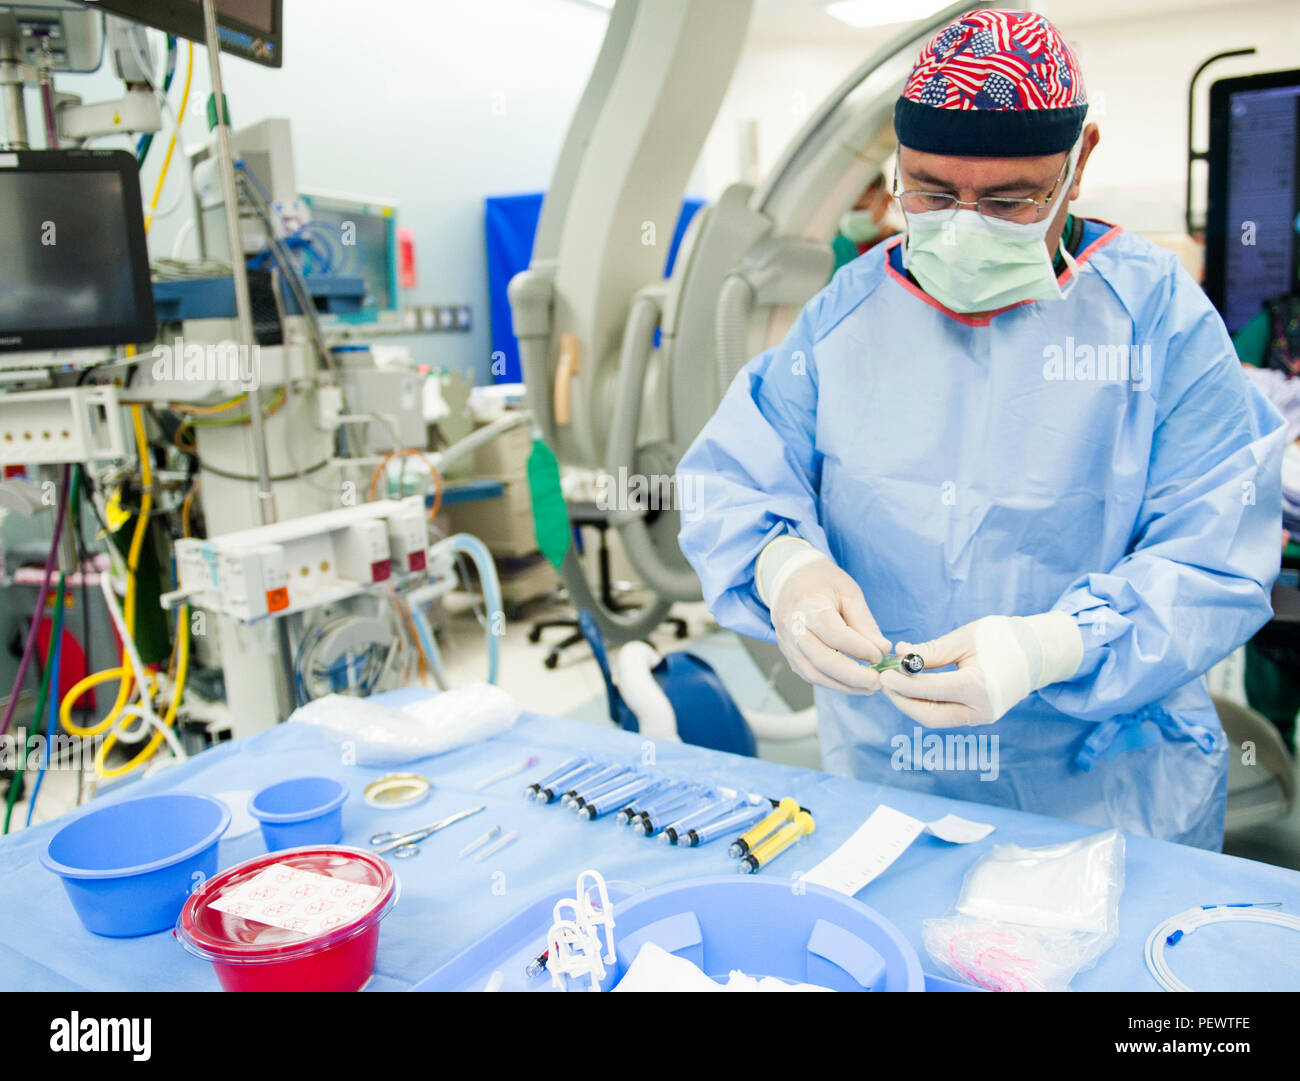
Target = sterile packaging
(387,736)
(655,969)
(1029,919)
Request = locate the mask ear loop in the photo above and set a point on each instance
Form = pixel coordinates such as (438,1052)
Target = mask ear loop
(1071,263)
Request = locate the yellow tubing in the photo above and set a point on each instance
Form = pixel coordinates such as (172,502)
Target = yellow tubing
(169,718)
(171,146)
(123,672)
(208,410)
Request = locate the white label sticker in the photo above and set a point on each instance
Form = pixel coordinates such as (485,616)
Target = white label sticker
(879,841)
(958,831)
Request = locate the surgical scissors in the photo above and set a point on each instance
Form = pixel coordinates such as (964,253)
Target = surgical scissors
(404,845)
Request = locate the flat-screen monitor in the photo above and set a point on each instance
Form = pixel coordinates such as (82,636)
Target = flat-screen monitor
(1252,230)
(253,29)
(362,237)
(75,267)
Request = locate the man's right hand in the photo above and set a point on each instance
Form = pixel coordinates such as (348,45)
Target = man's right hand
(826,630)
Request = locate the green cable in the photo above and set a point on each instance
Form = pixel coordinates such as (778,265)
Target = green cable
(16,781)
(38,715)
(229,422)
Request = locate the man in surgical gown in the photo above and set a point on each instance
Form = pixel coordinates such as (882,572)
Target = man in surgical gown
(1018,443)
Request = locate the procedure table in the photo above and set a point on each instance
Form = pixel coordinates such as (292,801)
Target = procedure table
(448,904)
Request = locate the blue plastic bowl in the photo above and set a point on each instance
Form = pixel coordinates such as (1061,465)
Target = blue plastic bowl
(303,811)
(768,927)
(128,866)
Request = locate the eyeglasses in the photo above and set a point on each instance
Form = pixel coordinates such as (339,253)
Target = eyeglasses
(992,207)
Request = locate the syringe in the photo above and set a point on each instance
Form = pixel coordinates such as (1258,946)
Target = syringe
(537,965)
(609,784)
(660,802)
(785,812)
(789,834)
(548,793)
(603,774)
(651,823)
(715,809)
(565,767)
(603,804)
(738,819)
(669,790)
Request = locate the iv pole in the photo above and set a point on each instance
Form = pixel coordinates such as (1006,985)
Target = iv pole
(244,310)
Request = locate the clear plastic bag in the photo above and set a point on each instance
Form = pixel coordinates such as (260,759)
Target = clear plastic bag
(1029,919)
(386,736)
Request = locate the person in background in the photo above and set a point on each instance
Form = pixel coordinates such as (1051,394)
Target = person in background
(1269,349)
(866,225)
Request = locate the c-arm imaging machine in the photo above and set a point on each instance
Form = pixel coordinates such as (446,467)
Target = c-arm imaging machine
(587,310)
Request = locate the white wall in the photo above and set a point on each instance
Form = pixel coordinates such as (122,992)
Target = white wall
(434,103)
(437,103)
(776,86)
(1137,69)
(1136,65)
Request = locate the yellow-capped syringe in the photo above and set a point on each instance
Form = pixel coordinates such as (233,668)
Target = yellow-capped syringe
(789,834)
(785,812)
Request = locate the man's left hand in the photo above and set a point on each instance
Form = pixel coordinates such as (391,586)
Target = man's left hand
(999,661)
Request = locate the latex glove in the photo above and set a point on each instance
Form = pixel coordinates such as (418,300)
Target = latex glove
(822,622)
(1000,660)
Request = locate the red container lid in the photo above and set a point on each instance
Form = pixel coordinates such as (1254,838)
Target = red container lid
(230,939)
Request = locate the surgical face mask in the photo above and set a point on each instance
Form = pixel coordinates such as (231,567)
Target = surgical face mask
(970,263)
(859,226)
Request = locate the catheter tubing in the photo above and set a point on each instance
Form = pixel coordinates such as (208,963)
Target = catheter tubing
(469,545)
(442,580)
(1184,923)
(162,726)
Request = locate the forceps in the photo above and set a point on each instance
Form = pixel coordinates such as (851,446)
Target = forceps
(404,845)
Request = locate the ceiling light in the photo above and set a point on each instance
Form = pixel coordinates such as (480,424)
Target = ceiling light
(863,13)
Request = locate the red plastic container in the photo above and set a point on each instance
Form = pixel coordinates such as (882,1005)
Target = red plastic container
(252,956)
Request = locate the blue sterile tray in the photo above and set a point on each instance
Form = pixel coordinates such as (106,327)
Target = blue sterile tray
(509,949)
(764,927)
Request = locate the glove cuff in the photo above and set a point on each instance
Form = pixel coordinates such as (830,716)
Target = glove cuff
(1060,644)
(780,559)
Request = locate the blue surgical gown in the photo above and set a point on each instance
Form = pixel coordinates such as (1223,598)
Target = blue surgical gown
(1101,455)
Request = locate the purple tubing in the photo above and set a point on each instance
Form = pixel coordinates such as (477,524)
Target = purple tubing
(40,605)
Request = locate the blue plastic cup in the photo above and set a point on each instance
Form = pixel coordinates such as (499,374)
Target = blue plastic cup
(128,866)
(303,811)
